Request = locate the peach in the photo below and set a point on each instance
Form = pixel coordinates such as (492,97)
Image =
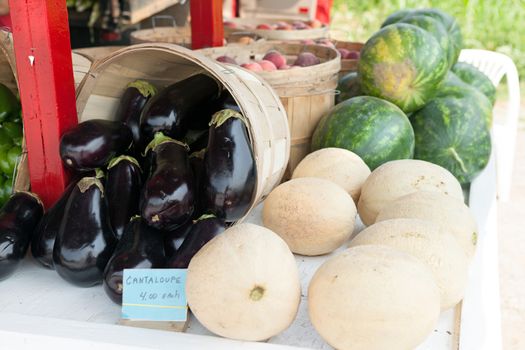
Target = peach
(226,59)
(267,65)
(299,25)
(315,23)
(253,66)
(276,58)
(306,59)
(264,26)
(344,52)
(353,55)
(285,67)
(229,24)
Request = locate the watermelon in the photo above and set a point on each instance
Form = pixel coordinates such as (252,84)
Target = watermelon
(449,22)
(375,129)
(348,87)
(452,86)
(450,133)
(403,64)
(396,17)
(436,29)
(474,77)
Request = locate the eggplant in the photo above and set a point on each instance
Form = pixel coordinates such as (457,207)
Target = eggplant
(18,219)
(229,176)
(171,110)
(46,231)
(141,247)
(167,197)
(123,185)
(203,230)
(199,142)
(201,119)
(197,166)
(131,104)
(173,239)
(85,239)
(93,143)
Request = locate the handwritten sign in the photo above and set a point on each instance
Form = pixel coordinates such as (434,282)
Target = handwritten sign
(154,295)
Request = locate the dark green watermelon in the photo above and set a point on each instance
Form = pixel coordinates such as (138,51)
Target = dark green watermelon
(436,29)
(348,87)
(375,129)
(452,86)
(396,17)
(452,27)
(474,77)
(450,133)
(403,64)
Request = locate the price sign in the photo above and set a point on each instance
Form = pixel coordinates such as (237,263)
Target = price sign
(154,295)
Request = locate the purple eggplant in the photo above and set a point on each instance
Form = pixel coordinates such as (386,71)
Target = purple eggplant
(201,119)
(123,185)
(141,247)
(196,139)
(171,110)
(131,105)
(202,231)
(167,197)
(229,176)
(18,219)
(173,239)
(44,236)
(85,240)
(197,166)
(93,143)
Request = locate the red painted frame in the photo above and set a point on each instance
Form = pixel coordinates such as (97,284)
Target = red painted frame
(206,23)
(47,90)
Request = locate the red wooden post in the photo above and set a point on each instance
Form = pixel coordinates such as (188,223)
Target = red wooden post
(47,90)
(206,23)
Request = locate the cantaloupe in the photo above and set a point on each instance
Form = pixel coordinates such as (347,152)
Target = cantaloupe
(373,298)
(244,284)
(401,177)
(338,165)
(451,213)
(314,216)
(427,242)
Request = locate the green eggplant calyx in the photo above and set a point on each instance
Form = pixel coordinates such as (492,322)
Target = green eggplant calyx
(198,154)
(87,182)
(221,117)
(99,173)
(118,159)
(159,139)
(145,88)
(206,217)
(134,217)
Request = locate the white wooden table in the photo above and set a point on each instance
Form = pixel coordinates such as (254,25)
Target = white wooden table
(38,310)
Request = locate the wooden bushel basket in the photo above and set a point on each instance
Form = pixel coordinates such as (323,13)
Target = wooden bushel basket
(307,93)
(164,64)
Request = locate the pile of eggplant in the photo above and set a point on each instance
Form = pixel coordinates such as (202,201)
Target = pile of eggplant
(150,188)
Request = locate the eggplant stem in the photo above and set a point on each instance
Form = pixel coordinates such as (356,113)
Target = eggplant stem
(86,182)
(159,139)
(222,116)
(99,173)
(198,154)
(145,88)
(205,217)
(118,159)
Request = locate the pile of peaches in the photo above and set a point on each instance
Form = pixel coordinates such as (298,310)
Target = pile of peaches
(281,25)
(273,60)
(345,53)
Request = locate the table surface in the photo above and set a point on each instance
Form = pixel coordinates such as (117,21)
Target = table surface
(38,308)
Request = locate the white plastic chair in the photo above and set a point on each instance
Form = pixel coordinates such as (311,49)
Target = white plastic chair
(497,65)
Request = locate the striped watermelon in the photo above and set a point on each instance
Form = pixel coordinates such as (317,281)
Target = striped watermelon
(449,22)
(449,132)
(435,28)
(403,64)
(376,130)
(348,87)
(452,86)
(474,77)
